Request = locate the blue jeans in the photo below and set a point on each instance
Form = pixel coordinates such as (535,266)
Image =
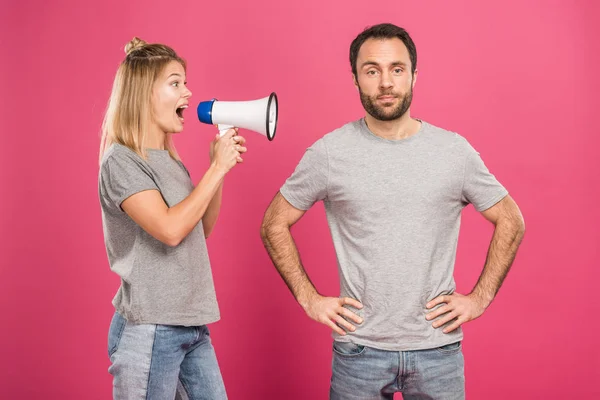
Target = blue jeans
(365,373)
(160,362)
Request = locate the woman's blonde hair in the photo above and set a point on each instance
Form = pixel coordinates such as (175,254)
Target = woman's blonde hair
(129,110)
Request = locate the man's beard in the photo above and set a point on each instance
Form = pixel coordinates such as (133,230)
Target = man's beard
(385,113)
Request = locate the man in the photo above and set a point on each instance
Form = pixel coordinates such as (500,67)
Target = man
(393,188)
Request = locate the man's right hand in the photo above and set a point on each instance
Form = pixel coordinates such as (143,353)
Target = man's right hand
(330,311)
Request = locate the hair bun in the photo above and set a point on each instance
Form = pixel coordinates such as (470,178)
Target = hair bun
(135,43)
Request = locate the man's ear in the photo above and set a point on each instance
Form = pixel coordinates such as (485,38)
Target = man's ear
(414,79)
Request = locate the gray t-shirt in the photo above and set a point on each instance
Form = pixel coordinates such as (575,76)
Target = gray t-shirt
(160,284)
(393,208)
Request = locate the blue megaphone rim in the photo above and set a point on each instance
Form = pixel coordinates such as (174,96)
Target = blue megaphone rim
(204,111)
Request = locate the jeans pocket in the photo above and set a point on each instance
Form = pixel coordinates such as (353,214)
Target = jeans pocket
(117,325)
(450,348)
(348,349)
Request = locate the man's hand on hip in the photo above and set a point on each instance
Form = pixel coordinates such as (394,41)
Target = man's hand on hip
(457,307)
(330,311)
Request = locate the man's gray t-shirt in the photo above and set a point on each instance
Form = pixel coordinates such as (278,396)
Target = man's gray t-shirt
(393,208)
(160,284)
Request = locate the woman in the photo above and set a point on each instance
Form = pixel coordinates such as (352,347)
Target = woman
(155,224)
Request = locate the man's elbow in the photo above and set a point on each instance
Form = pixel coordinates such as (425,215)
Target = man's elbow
(511,219)
(515,224)
(264,231)
(520,226)
(270,228)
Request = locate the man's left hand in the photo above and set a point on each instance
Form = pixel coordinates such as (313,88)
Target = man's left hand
(457,307)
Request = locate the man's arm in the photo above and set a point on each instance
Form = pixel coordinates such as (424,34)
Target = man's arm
(278,240)
(508,233)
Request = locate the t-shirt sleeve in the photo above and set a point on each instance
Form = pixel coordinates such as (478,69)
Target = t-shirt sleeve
(480,187)
(121,176)
(308,183)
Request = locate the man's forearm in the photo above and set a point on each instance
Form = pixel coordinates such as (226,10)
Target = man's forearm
(282,249)
(501,254)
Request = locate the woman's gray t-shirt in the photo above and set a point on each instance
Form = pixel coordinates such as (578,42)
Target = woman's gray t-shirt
(160,284)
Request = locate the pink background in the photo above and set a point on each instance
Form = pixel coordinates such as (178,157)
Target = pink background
(518,79)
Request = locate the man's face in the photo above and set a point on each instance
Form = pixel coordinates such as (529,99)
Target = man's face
(384,78)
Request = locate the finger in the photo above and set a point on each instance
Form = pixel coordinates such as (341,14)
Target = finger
(453,326)
(239,159)
(351,302)
(336,328)
(229,134)
(438,300)
(350,315)
(445,319)
(345,324)
(434,314)
(241,149)
(239,139)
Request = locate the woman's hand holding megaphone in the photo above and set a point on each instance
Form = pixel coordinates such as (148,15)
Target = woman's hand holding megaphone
(226,150)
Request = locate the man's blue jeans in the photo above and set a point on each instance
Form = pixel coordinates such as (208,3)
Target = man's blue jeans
(365,373)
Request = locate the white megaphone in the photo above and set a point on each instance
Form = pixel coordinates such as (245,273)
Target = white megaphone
(257,115)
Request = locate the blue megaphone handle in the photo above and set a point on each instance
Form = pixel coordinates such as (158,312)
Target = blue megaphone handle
(205,111)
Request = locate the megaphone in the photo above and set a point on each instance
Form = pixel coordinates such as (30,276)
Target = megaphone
(257,115)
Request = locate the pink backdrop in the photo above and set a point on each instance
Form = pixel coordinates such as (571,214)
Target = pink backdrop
(518,79)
